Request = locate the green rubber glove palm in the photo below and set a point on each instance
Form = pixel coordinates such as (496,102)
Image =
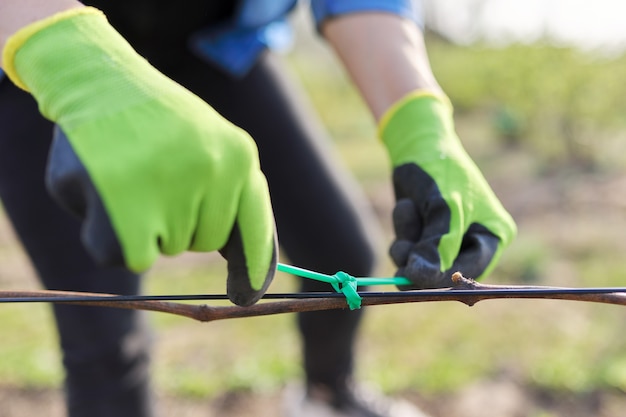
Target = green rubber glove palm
(446,217)
(149,166)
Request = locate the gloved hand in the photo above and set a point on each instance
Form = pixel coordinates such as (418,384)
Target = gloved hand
(446,218)
(149,166)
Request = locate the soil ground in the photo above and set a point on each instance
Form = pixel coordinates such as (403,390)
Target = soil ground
(506,398)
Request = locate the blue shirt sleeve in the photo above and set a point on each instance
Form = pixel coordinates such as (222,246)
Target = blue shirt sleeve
(409,9)
(259,24)
(236,45)
(1,75)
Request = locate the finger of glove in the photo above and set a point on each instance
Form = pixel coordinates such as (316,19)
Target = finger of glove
(441,233)
(399,251)
(437,248)
(238,284)
(478,251)
(70,185)
(476,255)
(419,260)
(421,214)
(252,248)
(407,227)
(407,223)
(423,266)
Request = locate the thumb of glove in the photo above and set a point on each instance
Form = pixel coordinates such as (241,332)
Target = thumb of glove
(238,283)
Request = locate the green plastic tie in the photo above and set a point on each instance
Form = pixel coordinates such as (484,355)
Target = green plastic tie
(347,285)
(343,282)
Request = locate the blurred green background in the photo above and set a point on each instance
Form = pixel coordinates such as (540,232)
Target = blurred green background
(545,123)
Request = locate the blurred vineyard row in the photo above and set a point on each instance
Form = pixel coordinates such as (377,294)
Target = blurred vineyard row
(564,105)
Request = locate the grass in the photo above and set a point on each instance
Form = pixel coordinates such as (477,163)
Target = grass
(27,349)
(203,359)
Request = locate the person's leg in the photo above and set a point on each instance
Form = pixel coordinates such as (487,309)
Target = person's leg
(105,351)
(324,222)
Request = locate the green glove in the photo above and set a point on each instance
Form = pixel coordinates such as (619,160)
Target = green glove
(141,155)
(446,218)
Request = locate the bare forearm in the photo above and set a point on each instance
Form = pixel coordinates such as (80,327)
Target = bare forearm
(384,55)
(15,14)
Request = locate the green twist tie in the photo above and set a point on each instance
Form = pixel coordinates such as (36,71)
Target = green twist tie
(347,284)
(343,282)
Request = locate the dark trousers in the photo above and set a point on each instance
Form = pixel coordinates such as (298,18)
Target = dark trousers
(320,219)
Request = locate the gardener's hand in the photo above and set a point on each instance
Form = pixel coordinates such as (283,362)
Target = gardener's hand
(447,218)
(149,166)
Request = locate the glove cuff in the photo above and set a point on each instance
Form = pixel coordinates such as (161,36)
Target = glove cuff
(19,38)
(79,68)
(404,101)
(418,126)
